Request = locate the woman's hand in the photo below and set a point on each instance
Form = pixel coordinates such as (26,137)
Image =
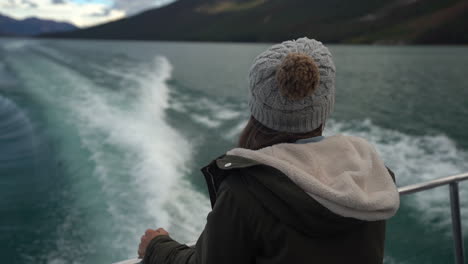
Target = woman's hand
(149,235)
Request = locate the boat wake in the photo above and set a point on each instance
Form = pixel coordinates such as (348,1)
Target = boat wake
(125,164)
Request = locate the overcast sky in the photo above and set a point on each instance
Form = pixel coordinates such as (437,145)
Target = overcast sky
(82,13)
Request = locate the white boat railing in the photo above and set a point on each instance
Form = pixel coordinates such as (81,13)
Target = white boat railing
(452,182)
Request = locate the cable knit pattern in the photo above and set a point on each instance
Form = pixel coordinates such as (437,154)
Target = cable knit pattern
(284,114)
(343,173)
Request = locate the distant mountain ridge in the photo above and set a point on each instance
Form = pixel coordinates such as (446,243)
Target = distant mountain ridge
(336,21)
(31,26)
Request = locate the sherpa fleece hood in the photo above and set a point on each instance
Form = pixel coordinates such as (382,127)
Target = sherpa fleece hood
(342,173)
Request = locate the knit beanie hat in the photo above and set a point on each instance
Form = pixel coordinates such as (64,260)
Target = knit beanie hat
(292,86)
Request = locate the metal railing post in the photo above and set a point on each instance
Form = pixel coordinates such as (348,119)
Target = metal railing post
(452,181)
(456,223)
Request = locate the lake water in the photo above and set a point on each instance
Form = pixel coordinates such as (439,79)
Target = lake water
(101,140)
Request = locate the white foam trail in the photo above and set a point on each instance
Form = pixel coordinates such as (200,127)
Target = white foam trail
(234,133)
(126,142)
(219,111)
(390,260)
(206,121)
(17,45)
(53,53)
(207,111)
(161,154)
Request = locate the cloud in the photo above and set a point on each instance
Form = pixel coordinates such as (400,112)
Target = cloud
(80,13)
(104,13)
(29,3)
(20,4)
(132,7)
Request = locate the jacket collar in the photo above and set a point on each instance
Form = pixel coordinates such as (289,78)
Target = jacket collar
(230,162)
(216,171)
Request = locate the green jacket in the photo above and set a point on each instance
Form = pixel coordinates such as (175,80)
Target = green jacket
(260,216)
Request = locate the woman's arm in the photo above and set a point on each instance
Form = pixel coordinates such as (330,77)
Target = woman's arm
(226,239)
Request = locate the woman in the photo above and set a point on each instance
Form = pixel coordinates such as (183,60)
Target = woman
(287,194)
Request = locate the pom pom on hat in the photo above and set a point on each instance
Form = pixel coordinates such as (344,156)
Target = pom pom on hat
(298,76)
